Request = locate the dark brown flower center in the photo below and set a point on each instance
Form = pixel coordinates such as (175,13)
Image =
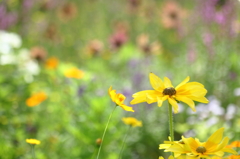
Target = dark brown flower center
(201,149)
(169,91)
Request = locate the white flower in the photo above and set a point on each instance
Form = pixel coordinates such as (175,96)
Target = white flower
(8,41)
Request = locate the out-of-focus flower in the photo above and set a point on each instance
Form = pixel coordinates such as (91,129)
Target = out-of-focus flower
(234,144)
(74,73)
(51,63)
(7,18)
(68,11)
(233,157)
(172,15)
(214,146)
(51,32)
(33,141)
(146,46)
(98,141)
(38,53)
(36,99)
(132,122)
(119,98)
(94,47)
(134,4)
(164,90)
(117,39)
(237,92)
(9,41)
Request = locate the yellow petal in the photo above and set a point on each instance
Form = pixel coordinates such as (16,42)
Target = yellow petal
(187,100)
(167,82)
(156,82)
(193,145)
(215,138)
(229,151)
(183,82)
(174,104)
(127,108)
(199,99)
(141,96)
(222,144)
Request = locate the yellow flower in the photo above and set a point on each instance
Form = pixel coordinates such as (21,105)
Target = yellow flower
(33,141)
(118,99)
(51,63)
(74,73)
(36,99)
(214,146)
(164,90)
(180,157)
(132,121)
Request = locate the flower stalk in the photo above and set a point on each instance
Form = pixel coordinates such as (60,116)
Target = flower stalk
(124,141)
(170,117)
(99,150)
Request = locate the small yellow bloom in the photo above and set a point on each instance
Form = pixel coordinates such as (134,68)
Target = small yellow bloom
(118,99)
(164,90)
(33,141)
(214,146)
(51,63)
(36,99)
(132,121)
(74,73)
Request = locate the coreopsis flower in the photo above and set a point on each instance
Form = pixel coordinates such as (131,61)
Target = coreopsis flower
(233,157)
(36,99)
(74,73)
(119,98)
(132,121)
(214,146)
(180,157)
(33,141)
(164,90)
(51,63)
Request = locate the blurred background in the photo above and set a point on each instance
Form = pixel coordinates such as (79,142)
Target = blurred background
(74,50)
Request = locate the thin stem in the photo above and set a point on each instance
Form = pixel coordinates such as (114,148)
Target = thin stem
(123,144)
(99,150)
(33,153)
(170,115)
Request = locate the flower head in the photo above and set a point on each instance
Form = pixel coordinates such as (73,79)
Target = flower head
(234,144)
(36,99)
(214,146)
(74,73)
(33,141)
(38,53)
(132,122)
(119,98)
(51,63)
(164,90)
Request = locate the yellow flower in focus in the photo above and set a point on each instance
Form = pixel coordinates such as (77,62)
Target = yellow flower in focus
(164,90)
(132,121)
(214,146)
(33,141)
(180,157)
(51,63)
(74,73)
(119,98)
(36,99)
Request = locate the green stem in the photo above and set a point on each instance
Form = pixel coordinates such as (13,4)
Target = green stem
(33,153)
(123,144)
(170,115)
(99,150)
